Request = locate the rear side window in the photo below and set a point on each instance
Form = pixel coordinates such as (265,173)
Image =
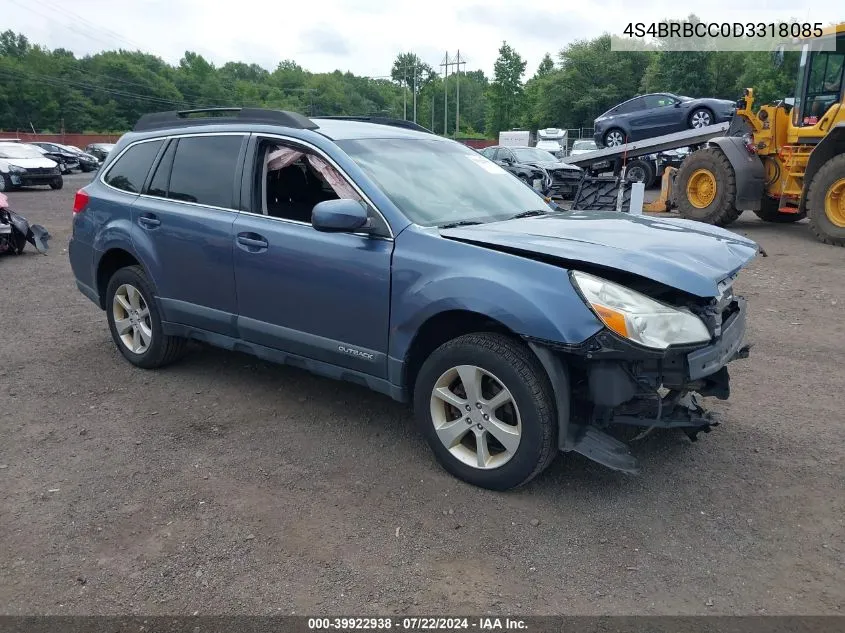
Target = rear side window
(204,170)
(161,177)
(130,170)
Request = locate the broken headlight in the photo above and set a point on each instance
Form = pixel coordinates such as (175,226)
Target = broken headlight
(637,317)
(14,169)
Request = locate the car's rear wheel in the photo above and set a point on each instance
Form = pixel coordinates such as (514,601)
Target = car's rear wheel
(484,404)
(700,117)
(135,322)
(57,183)
(614,138)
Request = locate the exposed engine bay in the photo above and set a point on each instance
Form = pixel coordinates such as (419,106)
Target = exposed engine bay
(16,231)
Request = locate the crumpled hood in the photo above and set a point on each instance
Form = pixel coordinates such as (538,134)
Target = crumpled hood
(684,254)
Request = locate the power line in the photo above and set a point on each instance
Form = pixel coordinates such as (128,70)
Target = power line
(106,31)
(57,81)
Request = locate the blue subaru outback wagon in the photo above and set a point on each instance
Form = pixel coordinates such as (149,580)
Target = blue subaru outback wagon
(376,252)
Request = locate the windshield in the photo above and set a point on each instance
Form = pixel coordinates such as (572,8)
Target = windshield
(436,182)
(19,151)
(532,155)
(584,145)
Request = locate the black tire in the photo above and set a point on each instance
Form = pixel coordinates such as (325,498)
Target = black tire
(821,225)
(768,212)
(523,375)
(700,113)
(612,131)
(5,183)
(57,183)
(721,210)
(163,349)
(640,171)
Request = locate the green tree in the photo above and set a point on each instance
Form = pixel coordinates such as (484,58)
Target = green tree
(505,93)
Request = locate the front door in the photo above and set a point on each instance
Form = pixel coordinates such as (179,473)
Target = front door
(323,296)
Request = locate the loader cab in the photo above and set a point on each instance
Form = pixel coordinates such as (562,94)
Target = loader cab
(820,81)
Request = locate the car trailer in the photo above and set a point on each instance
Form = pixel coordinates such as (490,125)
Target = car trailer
(601,192)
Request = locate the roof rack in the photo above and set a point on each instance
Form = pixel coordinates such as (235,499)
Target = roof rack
(410,125)
(213,116)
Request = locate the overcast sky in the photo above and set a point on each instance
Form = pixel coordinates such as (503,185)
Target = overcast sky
(362,36)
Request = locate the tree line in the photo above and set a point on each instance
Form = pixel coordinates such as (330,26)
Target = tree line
(53,90)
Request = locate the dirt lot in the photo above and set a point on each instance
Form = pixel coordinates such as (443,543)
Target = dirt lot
(227,485)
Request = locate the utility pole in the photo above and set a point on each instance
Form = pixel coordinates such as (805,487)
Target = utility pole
(458,63)
(445,65)
(404,88)
(416,65)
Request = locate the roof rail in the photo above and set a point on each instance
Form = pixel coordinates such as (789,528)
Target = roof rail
(410,125)
(158,120)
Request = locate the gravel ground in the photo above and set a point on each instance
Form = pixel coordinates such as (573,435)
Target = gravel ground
(227,485)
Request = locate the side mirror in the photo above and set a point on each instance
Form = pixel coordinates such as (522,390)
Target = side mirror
(677,104)
(507,160)
(340,216)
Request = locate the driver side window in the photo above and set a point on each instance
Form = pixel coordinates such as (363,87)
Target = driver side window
(290,181)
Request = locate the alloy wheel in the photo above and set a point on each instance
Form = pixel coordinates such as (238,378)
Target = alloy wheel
(701,119)
(476,417)
(132,319)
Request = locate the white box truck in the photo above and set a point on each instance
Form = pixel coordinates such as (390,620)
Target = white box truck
(515,138)
(552,140)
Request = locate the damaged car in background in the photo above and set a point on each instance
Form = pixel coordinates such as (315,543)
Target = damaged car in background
(516,329)
(24,165)
(538,168)
(16,231)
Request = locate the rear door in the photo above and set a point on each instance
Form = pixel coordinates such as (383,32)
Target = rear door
(183,229)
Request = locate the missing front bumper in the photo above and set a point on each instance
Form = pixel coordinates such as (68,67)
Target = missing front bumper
(612,383)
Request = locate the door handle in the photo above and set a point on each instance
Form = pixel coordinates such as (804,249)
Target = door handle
(149,221)
(252,241)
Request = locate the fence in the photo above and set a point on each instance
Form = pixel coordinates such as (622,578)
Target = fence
(79,140)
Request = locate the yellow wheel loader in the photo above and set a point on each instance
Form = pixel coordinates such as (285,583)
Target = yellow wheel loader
(790,165)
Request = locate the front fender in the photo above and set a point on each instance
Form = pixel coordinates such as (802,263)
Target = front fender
(748,169)
(432,274)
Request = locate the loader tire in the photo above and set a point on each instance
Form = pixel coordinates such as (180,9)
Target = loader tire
(826,202)
(768,212)
(705,187)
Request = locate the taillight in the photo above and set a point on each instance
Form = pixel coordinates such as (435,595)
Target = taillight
(80,201)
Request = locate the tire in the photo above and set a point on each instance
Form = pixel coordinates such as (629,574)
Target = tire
(720,210)
(614,137)
(57,183)
(498,360)
(640,171)
(699,118)
(5,183)
(768,212)
(160,349)
(825,203)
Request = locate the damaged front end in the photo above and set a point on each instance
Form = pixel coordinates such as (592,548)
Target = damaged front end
(611,381)
(16,231)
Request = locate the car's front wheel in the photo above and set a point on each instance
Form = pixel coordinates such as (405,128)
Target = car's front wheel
(57,183)
(135,322)
(702,117)
(614,138)
(485,406)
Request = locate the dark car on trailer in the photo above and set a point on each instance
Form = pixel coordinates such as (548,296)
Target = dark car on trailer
(650,115)
(537,168)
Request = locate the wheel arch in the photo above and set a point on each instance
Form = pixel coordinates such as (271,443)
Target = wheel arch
(831,145)
(109,263)
(748,170)
(439,328)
